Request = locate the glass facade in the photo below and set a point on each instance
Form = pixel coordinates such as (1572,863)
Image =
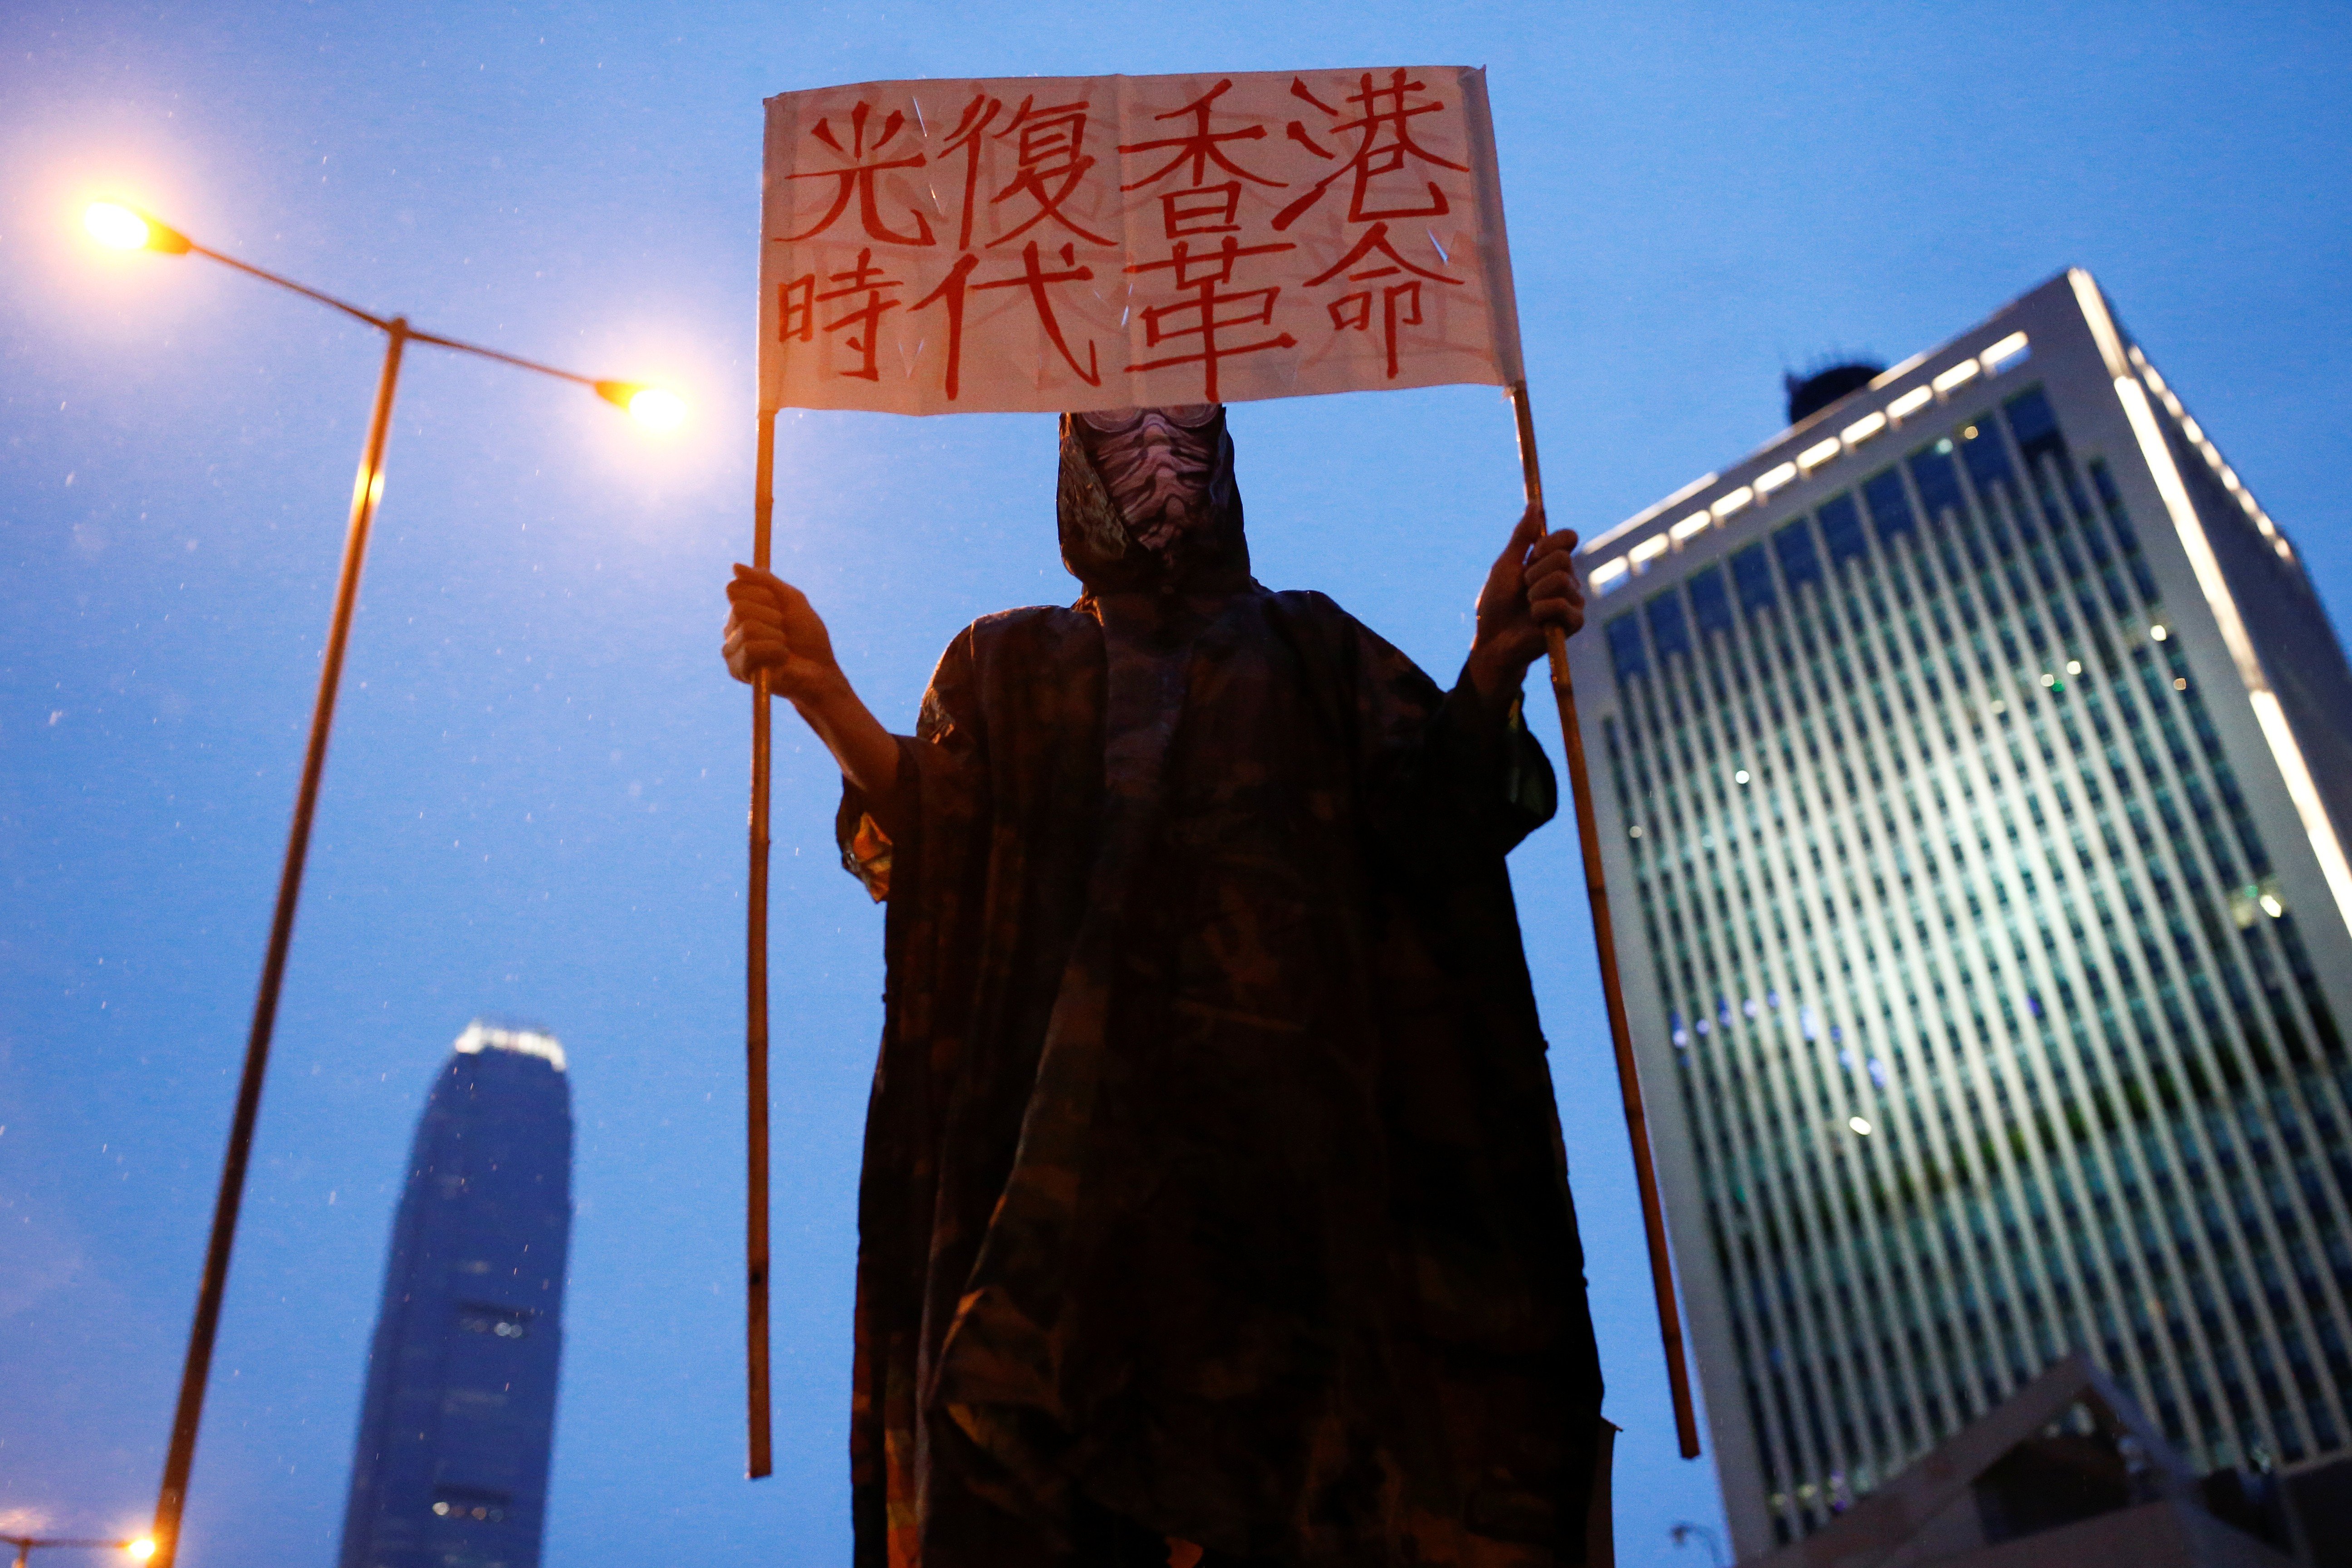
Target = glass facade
(1993,1035)
(458,1424)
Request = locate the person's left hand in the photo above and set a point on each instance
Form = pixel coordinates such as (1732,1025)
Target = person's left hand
(1533,586)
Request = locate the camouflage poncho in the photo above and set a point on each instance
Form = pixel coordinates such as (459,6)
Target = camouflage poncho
(1213,1184)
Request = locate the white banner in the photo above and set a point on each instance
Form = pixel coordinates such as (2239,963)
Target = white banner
(1047,243)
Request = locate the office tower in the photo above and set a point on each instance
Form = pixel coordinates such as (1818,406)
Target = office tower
(450,1469)
(1974,763)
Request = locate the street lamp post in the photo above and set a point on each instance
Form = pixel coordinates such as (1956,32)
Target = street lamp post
(142,1548)
(126,228)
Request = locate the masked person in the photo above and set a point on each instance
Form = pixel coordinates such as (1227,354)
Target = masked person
(1214,1199)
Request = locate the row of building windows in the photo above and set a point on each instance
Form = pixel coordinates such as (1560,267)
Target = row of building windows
(1761,634)
(492,1513)
(500,1322)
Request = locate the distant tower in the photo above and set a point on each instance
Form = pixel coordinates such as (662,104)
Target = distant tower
(450,1469)
(1975,772)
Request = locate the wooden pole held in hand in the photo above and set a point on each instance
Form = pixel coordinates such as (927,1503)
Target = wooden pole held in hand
(759,1459)
(1604,939)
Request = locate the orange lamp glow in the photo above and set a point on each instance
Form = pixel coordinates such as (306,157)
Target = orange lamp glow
(120,228)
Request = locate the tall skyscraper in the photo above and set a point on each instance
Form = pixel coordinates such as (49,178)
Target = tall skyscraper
(450,1469)
(1974,769)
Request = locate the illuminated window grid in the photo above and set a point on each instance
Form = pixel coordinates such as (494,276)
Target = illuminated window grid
(1609,573)
(1961,1319)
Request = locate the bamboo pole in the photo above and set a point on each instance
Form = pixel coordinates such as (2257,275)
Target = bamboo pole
(759,1459)
(1604,939)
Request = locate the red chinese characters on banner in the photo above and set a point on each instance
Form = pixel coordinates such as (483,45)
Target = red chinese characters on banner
(1384,145)
(1034,278)
(857,173)
(800,298)
(1204,271)
(1051,165)
(1382,126)
(1099,242)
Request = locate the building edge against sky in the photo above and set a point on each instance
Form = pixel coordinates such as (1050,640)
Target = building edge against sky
(457,1426)
(1977,772)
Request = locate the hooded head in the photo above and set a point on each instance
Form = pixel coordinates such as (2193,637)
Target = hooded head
(1147,498)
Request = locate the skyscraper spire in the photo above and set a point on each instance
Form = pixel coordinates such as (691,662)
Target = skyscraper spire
(455,1436)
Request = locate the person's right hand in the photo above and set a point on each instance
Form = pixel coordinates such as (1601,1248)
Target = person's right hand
(771,627)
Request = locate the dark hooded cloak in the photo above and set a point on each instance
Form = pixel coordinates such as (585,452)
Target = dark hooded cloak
(1212,1186)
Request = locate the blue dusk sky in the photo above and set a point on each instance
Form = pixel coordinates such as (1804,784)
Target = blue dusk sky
(534,806)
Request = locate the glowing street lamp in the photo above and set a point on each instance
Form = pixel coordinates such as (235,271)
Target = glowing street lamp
(655,407)
(123,227)
(119,227)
